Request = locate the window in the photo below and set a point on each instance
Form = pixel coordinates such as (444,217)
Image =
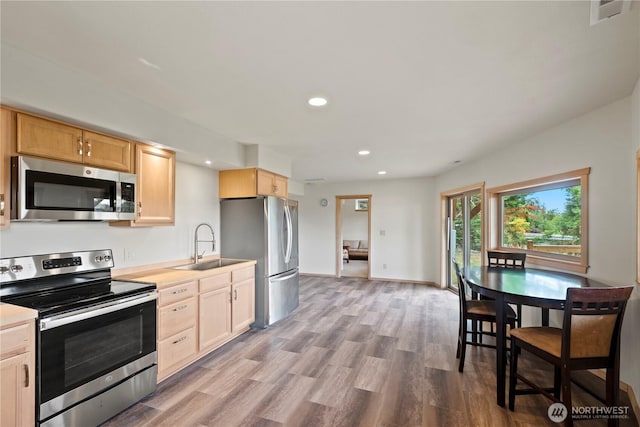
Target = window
(546,218)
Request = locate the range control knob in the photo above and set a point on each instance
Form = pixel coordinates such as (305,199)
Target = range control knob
(4,269)
(99,258)
(107,257)
(16,268)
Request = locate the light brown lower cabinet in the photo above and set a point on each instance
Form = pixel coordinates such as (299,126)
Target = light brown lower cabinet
(196,317)
(17,375)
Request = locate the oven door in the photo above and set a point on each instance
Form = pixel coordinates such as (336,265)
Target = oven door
(84,352)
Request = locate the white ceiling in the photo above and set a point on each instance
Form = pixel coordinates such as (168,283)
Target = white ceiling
(420,84)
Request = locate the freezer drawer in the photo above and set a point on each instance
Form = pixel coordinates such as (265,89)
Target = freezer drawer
(282,297)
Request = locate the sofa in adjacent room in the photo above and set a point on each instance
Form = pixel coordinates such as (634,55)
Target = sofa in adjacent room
(358,249)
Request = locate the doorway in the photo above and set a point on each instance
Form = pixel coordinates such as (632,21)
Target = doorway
(463,230)
(353,236)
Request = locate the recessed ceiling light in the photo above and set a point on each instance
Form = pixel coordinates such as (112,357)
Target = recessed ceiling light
(382,172)
(364,152)
(208,162)
(317,101)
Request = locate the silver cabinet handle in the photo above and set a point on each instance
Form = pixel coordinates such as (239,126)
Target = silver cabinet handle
(1,204)
(180,339)
(26,375)
(80,146)
(139,208)
(235,294)
(182,307)
(88,147)
(179,291)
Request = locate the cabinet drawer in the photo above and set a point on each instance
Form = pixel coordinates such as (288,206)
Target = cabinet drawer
(215,282)
(16,339)
(177,317)
(177,293)
(243,274)
(176,348)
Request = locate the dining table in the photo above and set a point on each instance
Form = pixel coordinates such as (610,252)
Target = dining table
(528,286)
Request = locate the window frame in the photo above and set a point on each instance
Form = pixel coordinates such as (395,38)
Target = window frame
(557,261)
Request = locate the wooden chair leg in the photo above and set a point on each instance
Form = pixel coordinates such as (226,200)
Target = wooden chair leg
(566,394)
(556,381)
(463,345)
(613,390)
(459,338)
(513,372)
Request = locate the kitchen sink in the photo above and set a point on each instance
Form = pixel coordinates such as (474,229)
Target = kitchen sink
(208,265)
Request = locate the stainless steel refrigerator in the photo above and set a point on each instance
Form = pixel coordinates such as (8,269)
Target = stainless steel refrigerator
(265,229)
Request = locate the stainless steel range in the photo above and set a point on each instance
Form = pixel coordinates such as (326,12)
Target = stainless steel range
(95,337)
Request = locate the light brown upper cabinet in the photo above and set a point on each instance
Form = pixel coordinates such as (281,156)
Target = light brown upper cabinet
(155,189)
(45,138)
(251,182)
(7,133)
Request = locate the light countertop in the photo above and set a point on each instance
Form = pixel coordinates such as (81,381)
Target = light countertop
(13,314)
(166,276)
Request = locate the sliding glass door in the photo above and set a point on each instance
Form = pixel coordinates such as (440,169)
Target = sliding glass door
(464,231)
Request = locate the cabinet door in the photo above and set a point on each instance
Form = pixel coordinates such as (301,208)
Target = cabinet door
(265,183)
(177,317)
(280,187)
(215,317)
(243,311)
(17,406)
(7,132)
(44,138)
(176,352)
(155,169)
(235,183)
(107,152)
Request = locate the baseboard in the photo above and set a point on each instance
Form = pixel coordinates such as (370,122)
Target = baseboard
(317,275)
(417,282)
(601,373)
(380,279)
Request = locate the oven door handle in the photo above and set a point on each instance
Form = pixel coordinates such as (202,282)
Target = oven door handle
(94,311)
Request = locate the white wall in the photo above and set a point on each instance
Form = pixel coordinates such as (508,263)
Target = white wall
(196,202)
(401,208)
(355,225)
(38,85)
(606,140)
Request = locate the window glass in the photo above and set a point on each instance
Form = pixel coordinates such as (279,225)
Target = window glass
(545,220)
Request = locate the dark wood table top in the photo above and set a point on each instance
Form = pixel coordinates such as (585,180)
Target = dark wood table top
(529,286)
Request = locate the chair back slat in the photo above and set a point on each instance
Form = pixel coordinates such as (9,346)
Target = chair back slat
(506,259)
(462,289)
(592,321)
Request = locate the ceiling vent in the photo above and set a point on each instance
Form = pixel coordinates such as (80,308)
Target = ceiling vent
(604,9)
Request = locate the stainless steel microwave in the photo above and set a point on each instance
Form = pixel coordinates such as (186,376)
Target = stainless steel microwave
(48,190)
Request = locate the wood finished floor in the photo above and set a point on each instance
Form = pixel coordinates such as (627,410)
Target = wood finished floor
(355,353)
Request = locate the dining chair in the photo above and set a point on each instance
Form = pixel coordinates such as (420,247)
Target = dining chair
(475,311)
(506,259)
(514,260)
(589,339)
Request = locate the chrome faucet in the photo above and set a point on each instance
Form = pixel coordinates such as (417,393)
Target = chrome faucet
(197,257)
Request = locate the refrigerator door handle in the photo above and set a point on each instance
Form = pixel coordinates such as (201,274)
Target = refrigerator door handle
(281,279)
(287,214)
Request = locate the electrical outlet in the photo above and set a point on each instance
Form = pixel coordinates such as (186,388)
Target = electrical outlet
(383,232)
